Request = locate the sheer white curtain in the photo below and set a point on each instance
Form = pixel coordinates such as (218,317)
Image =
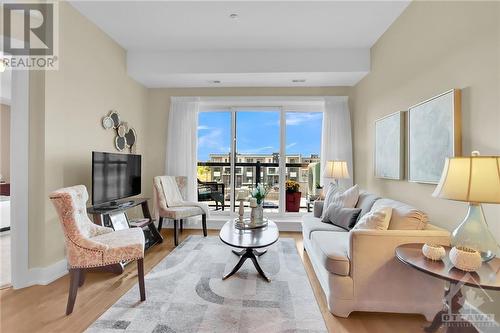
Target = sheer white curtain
(336,141)
(182,136)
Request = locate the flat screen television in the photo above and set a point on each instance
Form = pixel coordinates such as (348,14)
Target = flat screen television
(114,177)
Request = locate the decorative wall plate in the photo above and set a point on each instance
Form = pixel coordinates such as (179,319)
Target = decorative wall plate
(116,118)
(120,143)
(121,130)
(107,122)
(131,137)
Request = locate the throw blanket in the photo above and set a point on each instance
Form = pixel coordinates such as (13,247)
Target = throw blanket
(173,196)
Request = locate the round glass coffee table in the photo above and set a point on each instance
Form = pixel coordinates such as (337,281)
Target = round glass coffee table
(249,240)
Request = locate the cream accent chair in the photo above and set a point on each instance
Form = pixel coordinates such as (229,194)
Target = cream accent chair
(90,245)
(177,214)
(358,270)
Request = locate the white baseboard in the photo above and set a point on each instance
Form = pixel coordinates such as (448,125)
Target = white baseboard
(44,275)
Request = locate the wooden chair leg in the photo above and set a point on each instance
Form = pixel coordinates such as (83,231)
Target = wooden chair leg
(81,279)
(140,275)
(160,223)
(176,235)
(181,224)
(74,275)
(204,224)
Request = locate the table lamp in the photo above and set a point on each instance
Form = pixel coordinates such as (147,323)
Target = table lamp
(474,179)
(242,196)
(336,170)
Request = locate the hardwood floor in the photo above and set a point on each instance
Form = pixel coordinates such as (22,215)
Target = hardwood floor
(42,308)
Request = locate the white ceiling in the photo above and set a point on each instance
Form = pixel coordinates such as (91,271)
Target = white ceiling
(166,26)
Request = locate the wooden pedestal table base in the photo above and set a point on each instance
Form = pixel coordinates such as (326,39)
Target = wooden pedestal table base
(249,240)
(451,313)
(248,254)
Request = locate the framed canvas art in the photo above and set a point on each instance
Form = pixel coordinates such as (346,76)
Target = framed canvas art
(434,133)
(389,146)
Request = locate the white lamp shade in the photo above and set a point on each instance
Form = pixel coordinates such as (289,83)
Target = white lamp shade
(336,170)
(471,179)
(242,195)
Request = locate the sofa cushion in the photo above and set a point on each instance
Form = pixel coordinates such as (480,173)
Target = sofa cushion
(311,224)
(404,216)
(365,202)
(342,217)
(331,249)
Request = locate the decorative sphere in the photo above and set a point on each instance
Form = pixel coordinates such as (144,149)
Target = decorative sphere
(433,251)
(465,259)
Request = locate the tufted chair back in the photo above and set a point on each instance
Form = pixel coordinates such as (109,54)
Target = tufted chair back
(70,204)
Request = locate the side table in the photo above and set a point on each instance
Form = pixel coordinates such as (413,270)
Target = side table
(486,278)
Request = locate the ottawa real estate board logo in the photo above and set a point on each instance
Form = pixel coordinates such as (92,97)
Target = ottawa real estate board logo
(30,36)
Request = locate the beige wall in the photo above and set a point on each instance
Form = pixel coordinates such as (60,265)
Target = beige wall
(5,142)
(68,105)
(433,47)
(159,105)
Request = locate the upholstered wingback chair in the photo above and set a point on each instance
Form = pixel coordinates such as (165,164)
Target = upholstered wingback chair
(177,214)
(90,245)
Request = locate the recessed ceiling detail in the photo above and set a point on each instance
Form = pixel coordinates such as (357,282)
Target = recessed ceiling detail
(206,29)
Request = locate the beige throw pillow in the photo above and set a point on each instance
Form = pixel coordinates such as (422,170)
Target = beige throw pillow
(375,220)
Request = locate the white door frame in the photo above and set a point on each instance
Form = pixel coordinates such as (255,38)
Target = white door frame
(19,160)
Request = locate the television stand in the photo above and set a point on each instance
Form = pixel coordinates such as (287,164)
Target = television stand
(101,216)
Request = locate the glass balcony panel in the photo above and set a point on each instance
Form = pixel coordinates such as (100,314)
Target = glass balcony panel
(303,146)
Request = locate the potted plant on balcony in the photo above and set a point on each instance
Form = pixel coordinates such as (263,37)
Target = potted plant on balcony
(292,196)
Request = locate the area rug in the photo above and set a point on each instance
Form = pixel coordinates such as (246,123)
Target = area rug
(185,293)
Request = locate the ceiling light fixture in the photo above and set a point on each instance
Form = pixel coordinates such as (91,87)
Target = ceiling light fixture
(299,80)
(234,16)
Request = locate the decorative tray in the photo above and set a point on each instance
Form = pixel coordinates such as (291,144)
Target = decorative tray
(247,224)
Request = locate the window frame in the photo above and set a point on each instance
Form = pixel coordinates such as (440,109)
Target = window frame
(234,105)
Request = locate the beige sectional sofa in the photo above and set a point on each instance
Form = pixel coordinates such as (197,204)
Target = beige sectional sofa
(358,270)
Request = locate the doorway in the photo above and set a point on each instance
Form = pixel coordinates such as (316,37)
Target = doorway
(5,160)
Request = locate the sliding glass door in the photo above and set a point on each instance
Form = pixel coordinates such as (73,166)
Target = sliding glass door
(257,156)
(241,147)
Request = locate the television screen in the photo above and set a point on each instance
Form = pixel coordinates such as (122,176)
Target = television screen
(115,176)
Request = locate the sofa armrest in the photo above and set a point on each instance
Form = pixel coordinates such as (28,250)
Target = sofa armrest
(381,280)
(380,245)
(394,238)
(318,208)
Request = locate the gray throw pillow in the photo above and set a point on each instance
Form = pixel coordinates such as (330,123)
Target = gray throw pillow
(344,218)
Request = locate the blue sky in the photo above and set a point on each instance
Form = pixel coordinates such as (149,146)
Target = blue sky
(258,133)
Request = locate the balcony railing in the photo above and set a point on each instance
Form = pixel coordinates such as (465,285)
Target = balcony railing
(248,175)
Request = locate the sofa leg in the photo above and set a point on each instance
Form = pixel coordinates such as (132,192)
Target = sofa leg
(181,225)
(204,224)
(176,235)
(140,275)
(74,275)
(160,223)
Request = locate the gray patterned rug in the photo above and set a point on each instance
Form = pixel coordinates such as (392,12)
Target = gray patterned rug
(185,293)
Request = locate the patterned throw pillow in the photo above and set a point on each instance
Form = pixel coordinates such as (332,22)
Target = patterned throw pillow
(346,199)
(330,190)
(375,220)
